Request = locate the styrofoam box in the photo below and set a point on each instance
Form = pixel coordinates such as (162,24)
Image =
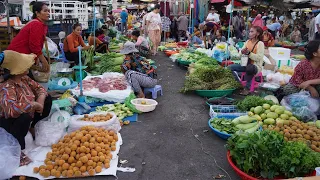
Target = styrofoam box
(288,62)
(278,53)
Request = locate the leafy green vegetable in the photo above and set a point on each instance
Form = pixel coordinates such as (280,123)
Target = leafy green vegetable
(252,101)
(254,152)
(109,62)
(210,78)
(266,154)
(223,125)
(297,160)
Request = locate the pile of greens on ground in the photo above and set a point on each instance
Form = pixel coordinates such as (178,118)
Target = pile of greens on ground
(266,154)
(208,75)
(109,62)
(252,101)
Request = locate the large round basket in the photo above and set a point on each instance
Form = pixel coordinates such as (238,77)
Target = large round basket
(214,93)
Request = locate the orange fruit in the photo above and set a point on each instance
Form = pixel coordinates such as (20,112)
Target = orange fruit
(83,169)
(91,172)
(57,174)
(98,169)
(36,170)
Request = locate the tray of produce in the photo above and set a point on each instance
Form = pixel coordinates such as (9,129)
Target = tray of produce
(220,101)
(226,125)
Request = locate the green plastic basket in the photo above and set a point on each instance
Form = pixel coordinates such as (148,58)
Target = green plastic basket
(183,62)
(214,93)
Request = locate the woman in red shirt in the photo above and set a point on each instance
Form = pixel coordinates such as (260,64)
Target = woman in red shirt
(307,73)
(31,37)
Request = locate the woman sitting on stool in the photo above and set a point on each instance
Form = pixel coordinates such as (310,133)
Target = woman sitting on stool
(254,50)
(139,73)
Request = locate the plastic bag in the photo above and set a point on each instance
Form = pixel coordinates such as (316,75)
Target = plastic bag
(53,49)
(302,99)
(304,114)
(112,124)
(48,133)
(10,151)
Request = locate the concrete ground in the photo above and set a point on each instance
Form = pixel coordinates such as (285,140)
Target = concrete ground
(173,142)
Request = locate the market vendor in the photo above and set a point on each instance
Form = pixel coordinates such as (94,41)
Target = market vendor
(101,46)
(307,73)
(141,43)
(138,72)
(32,36)
(72,42)
(254,50)
(295,36)
(22,100)
(218,37)
(267,38)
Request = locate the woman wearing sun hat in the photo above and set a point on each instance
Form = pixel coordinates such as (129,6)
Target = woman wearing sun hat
(22,100)
(139,73)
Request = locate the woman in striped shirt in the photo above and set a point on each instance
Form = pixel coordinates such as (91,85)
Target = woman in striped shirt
(139,73)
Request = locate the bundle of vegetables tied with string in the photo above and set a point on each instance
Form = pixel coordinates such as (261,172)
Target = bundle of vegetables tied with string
(208,75)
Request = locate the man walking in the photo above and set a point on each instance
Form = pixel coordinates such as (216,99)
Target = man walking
(124,19)
(182,26)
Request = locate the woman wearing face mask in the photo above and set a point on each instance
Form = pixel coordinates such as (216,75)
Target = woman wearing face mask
(307,73)
(254,49)
(31,37)
(72,42)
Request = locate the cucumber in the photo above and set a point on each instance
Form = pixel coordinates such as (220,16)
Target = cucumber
(246,126)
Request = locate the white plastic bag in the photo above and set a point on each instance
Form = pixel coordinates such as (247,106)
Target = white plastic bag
(48,133)
(53,49)
(51,131)
(10,151)
(112,124)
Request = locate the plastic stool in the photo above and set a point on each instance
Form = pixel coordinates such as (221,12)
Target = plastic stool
(154,91)
(254,84)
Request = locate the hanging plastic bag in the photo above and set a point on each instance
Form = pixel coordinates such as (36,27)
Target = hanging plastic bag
(112,124)
(10,151)
(53,49)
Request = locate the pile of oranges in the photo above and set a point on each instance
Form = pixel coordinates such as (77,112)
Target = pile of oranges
(97,118)
(84,152)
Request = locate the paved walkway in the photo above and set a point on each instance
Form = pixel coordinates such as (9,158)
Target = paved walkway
(163,144)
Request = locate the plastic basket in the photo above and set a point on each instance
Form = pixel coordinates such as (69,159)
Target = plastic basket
(245,176)
(220,134)
(225,110)
(214,98)
(183,62)
(214,93)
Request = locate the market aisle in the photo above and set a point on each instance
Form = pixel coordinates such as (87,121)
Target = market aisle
(161,145)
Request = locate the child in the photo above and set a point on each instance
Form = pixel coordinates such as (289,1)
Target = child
(141,43)
(101,46)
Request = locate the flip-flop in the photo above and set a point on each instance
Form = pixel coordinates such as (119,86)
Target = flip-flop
(24,159)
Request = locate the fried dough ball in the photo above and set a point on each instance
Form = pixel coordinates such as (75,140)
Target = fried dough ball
(98,169)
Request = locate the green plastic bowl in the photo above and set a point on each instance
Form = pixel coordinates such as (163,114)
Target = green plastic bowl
(214,93)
